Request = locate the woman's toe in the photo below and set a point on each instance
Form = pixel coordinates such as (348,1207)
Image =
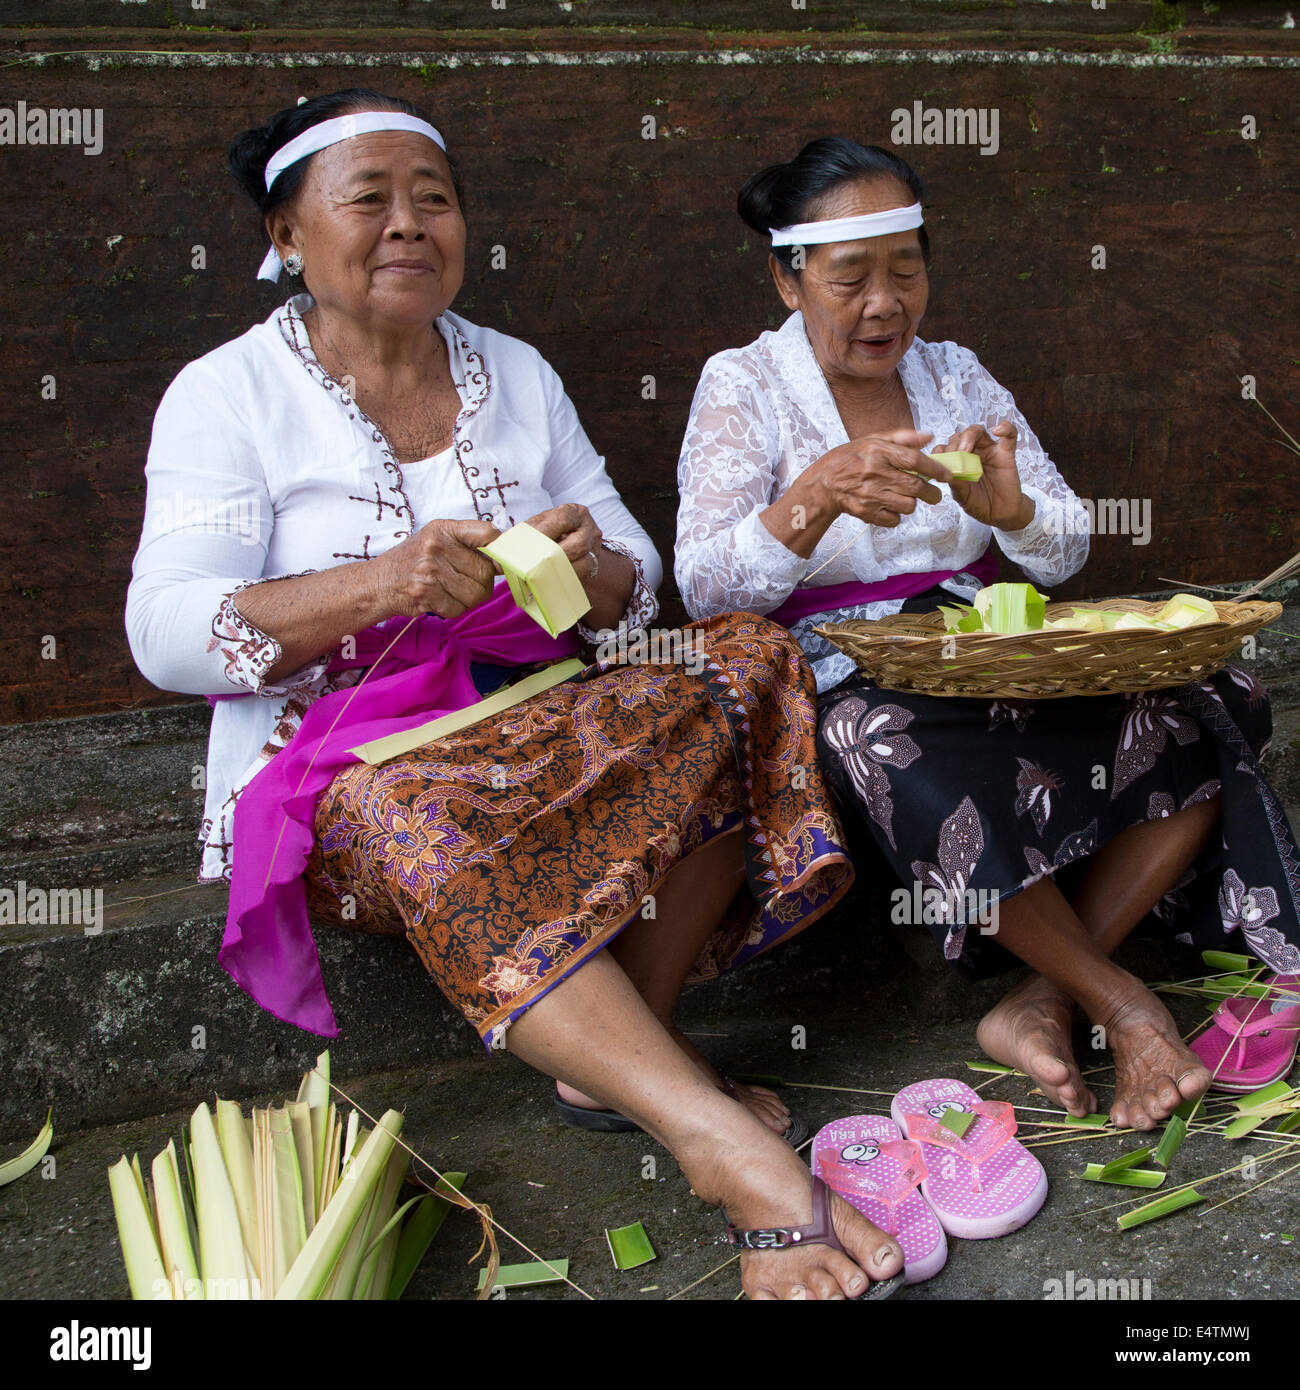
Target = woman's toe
(823,1285)
(850,1278)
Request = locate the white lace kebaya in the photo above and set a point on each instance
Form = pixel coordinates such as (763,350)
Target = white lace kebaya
(262,466)
(763,414)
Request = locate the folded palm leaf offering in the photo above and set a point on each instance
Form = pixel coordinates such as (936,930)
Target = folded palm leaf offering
(541,578)
(1010,642)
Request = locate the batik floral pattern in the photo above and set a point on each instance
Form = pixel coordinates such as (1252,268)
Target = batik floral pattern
(1034,788)
(1147,727)
(511,851)
(868,741)
(1250,910)
(961,842)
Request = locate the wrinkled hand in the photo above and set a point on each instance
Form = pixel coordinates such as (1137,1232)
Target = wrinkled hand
(996,499)
(571,526)
(439,569)
(872,478)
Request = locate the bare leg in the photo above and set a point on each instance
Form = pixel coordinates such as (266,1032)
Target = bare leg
(1030,1028)
(594,1032)
(657,954)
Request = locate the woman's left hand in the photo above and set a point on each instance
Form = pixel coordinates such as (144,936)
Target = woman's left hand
(996,499)
(571,527)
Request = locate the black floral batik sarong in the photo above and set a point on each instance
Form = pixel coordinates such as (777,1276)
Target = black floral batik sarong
(973,800)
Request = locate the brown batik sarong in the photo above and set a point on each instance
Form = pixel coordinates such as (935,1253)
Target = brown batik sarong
(512,851)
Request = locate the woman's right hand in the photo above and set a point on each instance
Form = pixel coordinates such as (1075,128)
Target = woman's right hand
(439,569)
(872,477)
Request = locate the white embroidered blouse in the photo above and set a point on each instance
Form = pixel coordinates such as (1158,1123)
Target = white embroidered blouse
(261,466)
(764,413)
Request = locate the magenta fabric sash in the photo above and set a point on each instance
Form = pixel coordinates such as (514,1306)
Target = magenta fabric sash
(825,598)
(268,946)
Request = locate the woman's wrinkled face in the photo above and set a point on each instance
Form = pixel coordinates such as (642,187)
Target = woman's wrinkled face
(861,300)
(379,227)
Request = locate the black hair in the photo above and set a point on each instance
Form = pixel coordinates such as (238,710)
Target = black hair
(251,151)
(783,194)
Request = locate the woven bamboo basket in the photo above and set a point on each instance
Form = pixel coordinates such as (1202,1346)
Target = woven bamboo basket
(910,651)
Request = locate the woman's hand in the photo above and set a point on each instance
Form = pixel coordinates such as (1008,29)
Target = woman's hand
(873,477)
(571,527)
(996,499)
(439,569)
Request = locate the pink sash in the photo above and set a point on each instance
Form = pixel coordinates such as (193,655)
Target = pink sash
(825,598)
(268,946)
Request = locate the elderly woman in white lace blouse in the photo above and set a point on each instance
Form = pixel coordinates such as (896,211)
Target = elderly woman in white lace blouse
(807,495)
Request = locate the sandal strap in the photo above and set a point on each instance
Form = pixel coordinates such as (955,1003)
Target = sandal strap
(818,1232)
(856,1177)
(992,1137)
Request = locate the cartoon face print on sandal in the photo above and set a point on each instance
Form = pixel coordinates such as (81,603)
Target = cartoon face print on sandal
(937,1112)
(859,1153)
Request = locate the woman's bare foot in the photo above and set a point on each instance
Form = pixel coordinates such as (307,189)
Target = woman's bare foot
(766,1185)
(763,1104)
(1155,1072)
(1029,1029)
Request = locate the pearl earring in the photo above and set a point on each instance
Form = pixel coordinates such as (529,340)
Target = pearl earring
(293,263)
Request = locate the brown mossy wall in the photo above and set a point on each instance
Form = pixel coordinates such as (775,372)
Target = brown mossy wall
(625,259)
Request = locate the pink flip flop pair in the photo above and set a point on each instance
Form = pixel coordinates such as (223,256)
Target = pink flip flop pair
(917,1178)
(1252,1042)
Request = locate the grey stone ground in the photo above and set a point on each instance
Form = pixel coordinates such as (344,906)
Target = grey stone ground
(101,1027)
(556,1189)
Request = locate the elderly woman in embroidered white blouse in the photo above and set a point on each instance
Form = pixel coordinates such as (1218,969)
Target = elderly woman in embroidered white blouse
(807,495)
(318,490)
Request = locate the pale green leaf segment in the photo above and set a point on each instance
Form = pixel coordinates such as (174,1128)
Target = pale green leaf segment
(526,1275)
(541,577)
(284,1205)
(630,1246)
(31,1155)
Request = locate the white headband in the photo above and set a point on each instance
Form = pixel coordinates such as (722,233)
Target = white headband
(330,132)
(848,228)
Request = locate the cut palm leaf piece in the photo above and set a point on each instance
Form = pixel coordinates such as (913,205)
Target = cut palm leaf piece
(541,577)
(1170,1141)
(145,1270)
(221,1245)
(1269,1095)
(996,1068)
(174,1241)
(527,1275)
(964,467)
(316,1262)
(1117,1165)
(1097,1121)
(1244,1124)
(1226,960)
(1011,608)
(1162,1206)
(31,1155)
(418,1234)
(630,1246)
(1124,1177)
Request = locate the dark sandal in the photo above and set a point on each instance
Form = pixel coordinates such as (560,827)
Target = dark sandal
(612,1122)
(819,1231)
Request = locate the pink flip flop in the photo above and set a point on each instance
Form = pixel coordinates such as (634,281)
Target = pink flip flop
(980,1185)
(1252,1042)
(867,1161)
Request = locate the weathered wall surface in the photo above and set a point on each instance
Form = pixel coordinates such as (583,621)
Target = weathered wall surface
(625,258)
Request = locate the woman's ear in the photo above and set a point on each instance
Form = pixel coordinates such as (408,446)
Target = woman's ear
(784,281)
